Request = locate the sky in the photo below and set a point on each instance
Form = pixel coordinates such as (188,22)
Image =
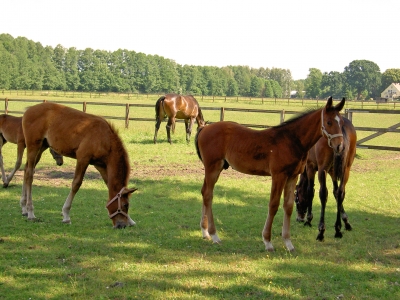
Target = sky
(286,34)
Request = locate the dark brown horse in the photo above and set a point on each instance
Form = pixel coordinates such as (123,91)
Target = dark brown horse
(11,131)
(279,152)
(87,138)
(322,159)
(174,107)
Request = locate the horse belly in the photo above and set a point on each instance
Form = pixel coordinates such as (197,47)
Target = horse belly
(249,166)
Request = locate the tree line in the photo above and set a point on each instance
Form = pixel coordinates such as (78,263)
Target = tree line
(27,65)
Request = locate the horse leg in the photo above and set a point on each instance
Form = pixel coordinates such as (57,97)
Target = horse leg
(189,126)
(3,173)
(33,156)
(288,209)
(340,193)
(80,170)
(187,130)
(310,199)
(207,224)
(170,124)
(158,123)
(20,153)
(323,196)
(278,183)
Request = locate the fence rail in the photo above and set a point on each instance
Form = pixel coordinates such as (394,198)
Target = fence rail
(348,113)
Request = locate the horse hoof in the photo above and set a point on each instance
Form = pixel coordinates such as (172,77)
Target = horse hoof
(5,185)
(66,221)
(25,214)
(307,224)
(348,227)
(320,238)
(338,235)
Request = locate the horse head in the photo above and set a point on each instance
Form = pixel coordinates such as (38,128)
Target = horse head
(57,157)
(301,199)
(331,124)
(118,208)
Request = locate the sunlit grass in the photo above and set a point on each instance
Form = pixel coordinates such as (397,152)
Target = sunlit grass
(165,257)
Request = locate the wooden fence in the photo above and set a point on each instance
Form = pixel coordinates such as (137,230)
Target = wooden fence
(127,118)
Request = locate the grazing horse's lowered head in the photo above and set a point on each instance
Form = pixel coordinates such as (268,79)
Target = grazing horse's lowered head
(89,139)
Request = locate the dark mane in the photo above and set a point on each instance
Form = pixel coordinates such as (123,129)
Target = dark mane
(297,117)
(123,161)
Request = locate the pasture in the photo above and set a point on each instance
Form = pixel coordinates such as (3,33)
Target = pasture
(164,255)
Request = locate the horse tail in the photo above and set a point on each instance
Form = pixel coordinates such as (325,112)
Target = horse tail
(196,142)
(158,105)
(339,160)
(200,115)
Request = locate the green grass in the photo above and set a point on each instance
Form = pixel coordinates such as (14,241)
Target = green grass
(165,257)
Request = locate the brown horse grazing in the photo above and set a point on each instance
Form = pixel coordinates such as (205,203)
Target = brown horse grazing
(279,152)
(174,107)
(87,138)
(323,159)
(11,131)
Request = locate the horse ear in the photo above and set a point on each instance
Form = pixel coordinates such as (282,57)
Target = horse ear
(329,103)
(128,191)
(340,105)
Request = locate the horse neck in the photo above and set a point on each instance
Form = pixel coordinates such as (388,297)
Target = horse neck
(306,130)
(117,169)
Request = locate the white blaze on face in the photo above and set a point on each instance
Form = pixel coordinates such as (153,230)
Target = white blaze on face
(337,118)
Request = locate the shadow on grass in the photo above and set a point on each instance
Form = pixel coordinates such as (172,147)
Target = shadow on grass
(165,252)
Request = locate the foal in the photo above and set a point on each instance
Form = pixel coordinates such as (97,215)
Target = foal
(11,131)
(279,152)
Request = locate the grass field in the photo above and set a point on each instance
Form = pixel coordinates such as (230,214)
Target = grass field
(165,257)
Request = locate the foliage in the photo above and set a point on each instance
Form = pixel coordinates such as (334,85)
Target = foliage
(363,75)
(25,65)
(313,83)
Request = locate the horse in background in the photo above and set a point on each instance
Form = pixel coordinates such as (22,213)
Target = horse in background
(280,152)
(174,107)
(323,159)
(87,138)
(11,131)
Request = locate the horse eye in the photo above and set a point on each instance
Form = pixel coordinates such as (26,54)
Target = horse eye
(126,206)
(329,123)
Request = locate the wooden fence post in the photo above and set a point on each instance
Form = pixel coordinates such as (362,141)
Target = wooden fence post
(126,115)
(84,106)
(282,116)
(6,106)
(222,114)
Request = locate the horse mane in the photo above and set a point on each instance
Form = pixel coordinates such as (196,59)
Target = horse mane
(119,148)
(296,117)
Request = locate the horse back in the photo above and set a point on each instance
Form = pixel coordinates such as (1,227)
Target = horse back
(66,130)
(249,151)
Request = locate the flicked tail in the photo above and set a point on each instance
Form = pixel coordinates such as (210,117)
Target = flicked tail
(339,161)
(196,142)
(158,104)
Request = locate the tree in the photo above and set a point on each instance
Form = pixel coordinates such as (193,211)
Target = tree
(284,78)
(390,76)
(298,86)
(332,84)
(256,86)
(71,71)
(268,90)
(363,75)
(276,88)
(313,82)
